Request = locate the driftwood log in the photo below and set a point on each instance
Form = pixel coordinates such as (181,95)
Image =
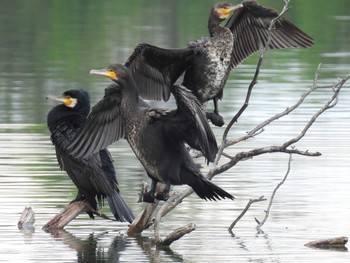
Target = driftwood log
(331,243)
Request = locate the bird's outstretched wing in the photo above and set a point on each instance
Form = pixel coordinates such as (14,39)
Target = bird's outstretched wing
(197,132)
(102,127)
(155,69)
(249,26)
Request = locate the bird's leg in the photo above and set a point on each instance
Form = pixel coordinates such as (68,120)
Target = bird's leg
(149,196)
(79,197)
(215,117)
(164,195)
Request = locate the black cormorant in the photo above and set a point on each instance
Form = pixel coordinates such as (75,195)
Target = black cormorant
(157,136)
(94,176)
(207,62)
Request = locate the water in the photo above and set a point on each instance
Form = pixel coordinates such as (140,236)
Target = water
(54,51)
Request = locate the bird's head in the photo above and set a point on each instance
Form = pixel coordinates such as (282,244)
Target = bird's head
(223,10)
(115,72)
(72,98)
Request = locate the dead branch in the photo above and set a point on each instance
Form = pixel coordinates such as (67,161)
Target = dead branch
(290,109)
(255,78)
(176,199)
(143,220)
(251,201)
(176,234)
(284,147)
(70,212)
(66,215)
(267,212)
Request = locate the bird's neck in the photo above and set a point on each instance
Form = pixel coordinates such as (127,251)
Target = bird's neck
(130,101)
(214,26)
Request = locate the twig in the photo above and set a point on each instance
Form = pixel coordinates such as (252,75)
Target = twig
(289,109)
(283,148)
(251,201)
(267,212)
(330,104)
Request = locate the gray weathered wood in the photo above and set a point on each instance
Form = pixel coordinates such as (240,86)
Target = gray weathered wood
(66,215)
(27,219)
(326,243)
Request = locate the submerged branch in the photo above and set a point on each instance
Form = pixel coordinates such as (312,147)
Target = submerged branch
(177,234)
(251,201)
(267,212)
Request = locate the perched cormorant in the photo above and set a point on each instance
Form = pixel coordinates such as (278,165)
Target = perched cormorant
(207,62)
(94,176)
(157,136)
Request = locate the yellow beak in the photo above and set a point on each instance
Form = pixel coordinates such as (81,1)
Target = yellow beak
(107,73)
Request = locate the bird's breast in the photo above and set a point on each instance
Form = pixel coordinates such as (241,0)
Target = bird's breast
(143,140)
(214,68)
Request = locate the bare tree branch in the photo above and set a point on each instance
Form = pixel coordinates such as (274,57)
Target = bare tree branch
(251,201)
(177,199)
(176,234)
(171,204)
(267,212)
(257,71)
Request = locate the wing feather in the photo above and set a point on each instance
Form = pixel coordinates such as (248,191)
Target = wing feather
(102,127)
(155,69)
(249,26)
(202,138)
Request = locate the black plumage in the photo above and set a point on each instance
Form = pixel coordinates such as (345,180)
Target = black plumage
(94,176)
(157,136)
(207,62)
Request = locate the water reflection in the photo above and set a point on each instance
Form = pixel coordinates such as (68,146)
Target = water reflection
(90,248)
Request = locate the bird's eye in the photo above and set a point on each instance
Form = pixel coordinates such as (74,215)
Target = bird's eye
(70,102)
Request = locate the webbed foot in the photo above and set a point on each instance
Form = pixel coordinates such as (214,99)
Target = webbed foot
(215,118)
(163,196)
(148,197)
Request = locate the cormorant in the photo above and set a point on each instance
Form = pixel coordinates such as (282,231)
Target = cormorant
(94,176)
(207,62)
(157,136)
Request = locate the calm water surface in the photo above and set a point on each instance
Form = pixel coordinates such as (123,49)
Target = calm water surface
(47,47)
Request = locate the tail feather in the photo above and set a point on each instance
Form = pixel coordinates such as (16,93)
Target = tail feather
(119,208)
(209,191)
